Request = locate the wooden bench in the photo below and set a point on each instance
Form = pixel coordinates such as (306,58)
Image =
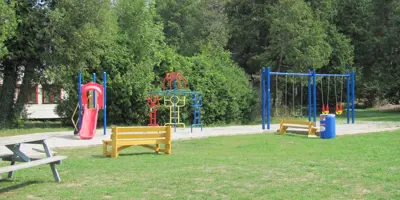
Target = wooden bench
(27,161)
(124,137)
(309,126)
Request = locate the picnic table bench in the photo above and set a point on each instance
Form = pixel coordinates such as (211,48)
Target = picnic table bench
(27,161)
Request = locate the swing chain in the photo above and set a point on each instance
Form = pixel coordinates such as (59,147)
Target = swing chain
(301,96)
(286,101)
(322,91)
(293,94)
(327,96)
(341,90)
(334,79)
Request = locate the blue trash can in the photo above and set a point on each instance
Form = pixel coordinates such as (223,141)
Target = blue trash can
(327,126)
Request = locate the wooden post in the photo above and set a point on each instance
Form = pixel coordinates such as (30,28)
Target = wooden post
(168,145)
(114,145)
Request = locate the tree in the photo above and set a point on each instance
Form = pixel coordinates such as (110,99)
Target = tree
(82,32)
(297,37)
(25,50)
(132,59)
(191,24)
(248,30)
(7,24)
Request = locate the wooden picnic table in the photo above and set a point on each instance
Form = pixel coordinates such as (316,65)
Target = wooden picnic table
(26,161)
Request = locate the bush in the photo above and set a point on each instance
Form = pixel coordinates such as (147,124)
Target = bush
(226,92)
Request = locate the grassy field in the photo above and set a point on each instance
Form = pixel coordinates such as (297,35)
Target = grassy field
(264,166)
(30,127)
(360,115)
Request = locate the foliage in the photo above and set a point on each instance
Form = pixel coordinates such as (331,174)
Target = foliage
(227,95)
(131,61)
(7,24)
(25,49)
(191,24)
(137,42)
(296,37)
(82,31)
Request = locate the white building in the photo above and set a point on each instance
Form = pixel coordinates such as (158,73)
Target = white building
(41,101)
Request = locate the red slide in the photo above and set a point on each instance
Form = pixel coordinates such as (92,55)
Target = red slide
(89,123)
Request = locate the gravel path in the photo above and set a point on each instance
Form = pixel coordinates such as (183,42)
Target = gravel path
(68,140)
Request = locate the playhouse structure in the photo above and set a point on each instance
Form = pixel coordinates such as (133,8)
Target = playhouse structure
(174,93)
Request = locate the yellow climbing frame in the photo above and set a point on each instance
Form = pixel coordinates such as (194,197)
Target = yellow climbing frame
(180,102)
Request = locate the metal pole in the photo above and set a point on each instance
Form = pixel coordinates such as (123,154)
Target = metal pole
(333,75)
(348,99)
(309,96)
(263,99)
(269,98)
(105,102)
(80,100)
(315,97)
(353,95)
(175,105)
(94,92)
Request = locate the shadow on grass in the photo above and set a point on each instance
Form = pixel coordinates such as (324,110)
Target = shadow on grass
(299,135)
(15,187)
(128,154)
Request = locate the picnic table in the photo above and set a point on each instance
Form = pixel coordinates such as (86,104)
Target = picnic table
(26,161)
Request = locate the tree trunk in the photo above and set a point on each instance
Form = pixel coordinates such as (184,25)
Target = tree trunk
(19,106)
(8,92)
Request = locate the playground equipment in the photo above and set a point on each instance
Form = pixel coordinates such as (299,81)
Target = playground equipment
(174,91)
(312,94)
(90,105)
(153,102)
(175,103)
(309,126)
(124,137)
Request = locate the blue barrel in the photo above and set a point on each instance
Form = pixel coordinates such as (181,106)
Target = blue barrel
(327,126)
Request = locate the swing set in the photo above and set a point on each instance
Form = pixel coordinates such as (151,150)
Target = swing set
(339,106)
(347,79)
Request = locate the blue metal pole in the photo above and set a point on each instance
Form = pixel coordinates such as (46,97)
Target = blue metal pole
(315,97)
(353,96)
(105,102)
(309,95)
(289,74)
(348,99)
(94,92)
(269,98)
(263,99)
(79,100)
(333,75)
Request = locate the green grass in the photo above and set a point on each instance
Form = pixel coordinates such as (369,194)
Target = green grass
(264,166)
(360,115)
(376,115)
(30,127)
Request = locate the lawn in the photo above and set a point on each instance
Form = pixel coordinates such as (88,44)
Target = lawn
(266,166)
(30,127)
(360,115)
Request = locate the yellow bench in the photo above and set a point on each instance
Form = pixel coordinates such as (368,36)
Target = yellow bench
(124,137)
(309,126)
